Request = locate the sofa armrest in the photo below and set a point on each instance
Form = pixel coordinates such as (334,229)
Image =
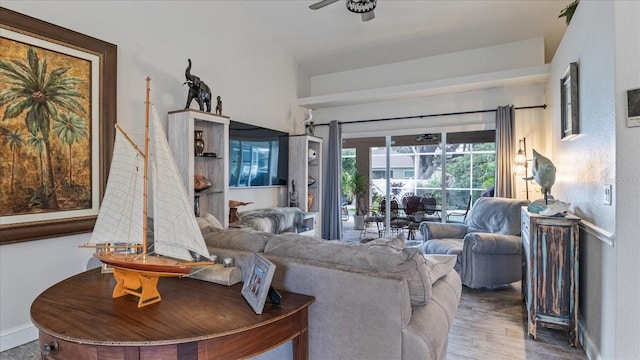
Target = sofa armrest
(433,230)
(488,243)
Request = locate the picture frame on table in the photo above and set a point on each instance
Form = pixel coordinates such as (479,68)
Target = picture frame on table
(55,177)
(569,103)
(257,283)
(633,107)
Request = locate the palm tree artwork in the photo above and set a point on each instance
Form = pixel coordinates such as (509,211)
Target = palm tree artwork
(15,142)
(70,128)
(37,146)
(46,94)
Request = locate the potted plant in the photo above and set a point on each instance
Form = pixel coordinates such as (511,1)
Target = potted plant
(358,187)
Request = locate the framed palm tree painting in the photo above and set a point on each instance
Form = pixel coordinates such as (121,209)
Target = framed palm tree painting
(57,116)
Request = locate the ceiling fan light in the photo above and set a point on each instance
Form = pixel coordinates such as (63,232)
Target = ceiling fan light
(361,6)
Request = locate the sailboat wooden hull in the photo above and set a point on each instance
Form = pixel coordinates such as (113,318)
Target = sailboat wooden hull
(151,265)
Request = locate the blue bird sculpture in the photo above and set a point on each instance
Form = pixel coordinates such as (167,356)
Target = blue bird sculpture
(544,173)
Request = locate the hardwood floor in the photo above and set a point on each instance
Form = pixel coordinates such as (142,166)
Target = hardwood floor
(492,324)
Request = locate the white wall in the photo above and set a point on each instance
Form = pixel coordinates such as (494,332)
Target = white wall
(514,55)
(627,65)
(255,77)
(604,39)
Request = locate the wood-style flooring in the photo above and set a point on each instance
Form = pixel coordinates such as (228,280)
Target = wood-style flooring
(492,324)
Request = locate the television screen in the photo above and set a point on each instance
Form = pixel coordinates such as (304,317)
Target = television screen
(257,156)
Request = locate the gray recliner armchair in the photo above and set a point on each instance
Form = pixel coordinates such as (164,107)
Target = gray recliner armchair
(488,243)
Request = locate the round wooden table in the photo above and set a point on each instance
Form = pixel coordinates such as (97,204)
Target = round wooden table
(194,320)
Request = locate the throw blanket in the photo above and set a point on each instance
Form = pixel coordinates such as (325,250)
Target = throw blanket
(273,220)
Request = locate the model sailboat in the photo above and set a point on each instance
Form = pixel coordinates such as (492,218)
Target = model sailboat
(123,216)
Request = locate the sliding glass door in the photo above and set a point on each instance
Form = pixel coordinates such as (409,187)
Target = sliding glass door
(453,168)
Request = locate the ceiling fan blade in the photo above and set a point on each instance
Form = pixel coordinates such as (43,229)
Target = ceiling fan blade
(368,16)
(321,4)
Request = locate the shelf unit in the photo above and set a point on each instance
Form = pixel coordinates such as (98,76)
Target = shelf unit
(550,272)
(181,128)
(300,171)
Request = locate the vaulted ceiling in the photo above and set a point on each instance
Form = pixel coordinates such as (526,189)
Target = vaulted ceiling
(333,39)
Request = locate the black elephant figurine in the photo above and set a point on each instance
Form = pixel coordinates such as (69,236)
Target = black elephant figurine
(198,90)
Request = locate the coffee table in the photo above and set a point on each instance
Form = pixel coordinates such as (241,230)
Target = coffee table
(194,320)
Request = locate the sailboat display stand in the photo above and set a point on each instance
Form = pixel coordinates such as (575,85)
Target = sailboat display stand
(123,217)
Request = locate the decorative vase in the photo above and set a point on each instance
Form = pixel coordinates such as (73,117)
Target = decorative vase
(309,201)
(199,143)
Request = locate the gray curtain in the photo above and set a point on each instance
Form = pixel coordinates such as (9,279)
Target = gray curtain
(331,216)
(505,116)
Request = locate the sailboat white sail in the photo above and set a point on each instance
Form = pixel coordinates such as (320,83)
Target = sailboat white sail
(121,213)
(176,231)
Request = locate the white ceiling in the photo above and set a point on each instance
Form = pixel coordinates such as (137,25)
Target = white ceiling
(333,39)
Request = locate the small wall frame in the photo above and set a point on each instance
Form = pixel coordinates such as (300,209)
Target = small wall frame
(569,109)
(633,107)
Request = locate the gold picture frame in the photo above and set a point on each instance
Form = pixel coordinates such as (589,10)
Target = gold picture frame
(56,51)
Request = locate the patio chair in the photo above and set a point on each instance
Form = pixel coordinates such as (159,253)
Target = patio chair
(415,212)
(372,217)
(397,223)
(459,213)
(431,211)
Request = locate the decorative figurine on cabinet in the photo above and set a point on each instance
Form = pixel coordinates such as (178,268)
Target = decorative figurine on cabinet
(219,105)
(198,90)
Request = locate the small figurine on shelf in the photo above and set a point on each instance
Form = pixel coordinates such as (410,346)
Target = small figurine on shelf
(293,195)
(198,90)
(219,105)
(233,210)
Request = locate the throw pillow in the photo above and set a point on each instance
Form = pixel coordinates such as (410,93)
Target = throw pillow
(396,240)
(439,265)
(239,239)
(209,223)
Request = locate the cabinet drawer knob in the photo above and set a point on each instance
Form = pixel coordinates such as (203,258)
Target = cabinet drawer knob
(50,348)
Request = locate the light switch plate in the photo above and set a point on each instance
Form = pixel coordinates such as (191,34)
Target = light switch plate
(608,194)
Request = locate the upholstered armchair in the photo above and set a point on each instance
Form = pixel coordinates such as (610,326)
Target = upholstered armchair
(488,243)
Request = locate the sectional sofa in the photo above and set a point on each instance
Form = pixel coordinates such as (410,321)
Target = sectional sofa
(372,301)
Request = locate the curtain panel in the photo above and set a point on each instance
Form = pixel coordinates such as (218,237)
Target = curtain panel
(331,215)
(505,116)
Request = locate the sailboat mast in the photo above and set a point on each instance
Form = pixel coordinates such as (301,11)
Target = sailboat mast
(146,171)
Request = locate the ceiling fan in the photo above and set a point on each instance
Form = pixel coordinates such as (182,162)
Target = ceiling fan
(363,7)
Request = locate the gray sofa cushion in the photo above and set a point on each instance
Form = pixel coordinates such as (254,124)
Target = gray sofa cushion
(240,239)
(408,262)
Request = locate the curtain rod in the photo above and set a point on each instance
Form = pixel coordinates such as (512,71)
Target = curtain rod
(543,106)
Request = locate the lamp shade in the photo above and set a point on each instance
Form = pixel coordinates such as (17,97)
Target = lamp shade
(520,158)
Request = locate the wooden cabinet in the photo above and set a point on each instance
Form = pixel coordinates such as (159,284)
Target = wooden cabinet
(181,128)
(306,170)
(550,272)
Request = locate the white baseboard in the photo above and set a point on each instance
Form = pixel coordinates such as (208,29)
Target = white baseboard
(17,336)
(590,349)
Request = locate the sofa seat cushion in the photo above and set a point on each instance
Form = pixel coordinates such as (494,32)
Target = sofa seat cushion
(381,258)
(445,247)
(239,239)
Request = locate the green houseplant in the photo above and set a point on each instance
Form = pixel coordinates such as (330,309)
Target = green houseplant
(358,187)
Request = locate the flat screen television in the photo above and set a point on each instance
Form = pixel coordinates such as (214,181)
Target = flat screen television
(257,156)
